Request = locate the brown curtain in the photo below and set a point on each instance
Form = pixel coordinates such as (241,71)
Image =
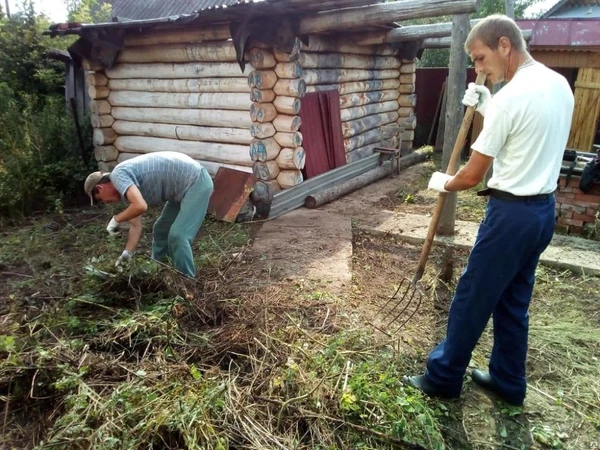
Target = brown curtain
(322,132)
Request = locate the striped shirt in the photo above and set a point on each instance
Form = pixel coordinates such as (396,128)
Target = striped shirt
(160,176)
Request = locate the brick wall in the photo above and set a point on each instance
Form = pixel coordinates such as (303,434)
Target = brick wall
(576,211)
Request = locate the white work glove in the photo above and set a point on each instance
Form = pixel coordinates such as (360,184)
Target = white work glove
(438,181)
(124,258)
(113,227)
(477,96)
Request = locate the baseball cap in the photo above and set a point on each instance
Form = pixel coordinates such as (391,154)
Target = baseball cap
(91,181)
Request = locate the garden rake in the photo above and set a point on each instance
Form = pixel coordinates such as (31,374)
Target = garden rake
(408,295)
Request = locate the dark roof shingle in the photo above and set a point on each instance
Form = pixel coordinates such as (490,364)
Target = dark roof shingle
(151,9)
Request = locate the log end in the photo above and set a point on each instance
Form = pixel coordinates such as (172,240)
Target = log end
(310,202)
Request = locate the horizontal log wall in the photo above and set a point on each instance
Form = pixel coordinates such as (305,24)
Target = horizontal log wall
(374,91)
(179,90)
(185,92)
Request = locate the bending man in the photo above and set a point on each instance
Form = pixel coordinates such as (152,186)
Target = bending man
(162,177)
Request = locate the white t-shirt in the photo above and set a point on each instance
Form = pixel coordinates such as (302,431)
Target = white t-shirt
(525,130)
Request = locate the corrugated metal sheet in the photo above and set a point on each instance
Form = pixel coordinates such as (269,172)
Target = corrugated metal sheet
(578,12)
(152,13)
(574,9)
(322,131)
(562,32)
(151,9)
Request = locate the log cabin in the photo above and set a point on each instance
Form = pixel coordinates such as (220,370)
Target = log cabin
(284,89)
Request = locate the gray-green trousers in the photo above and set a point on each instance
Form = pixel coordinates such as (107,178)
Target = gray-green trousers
(179,223)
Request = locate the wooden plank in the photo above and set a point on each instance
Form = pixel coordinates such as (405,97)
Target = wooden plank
(587,110)
(207,100)
(567,57)
(239,84)
(383,13)
(231,191)
(408,33)
(204,117)
(176,36)
(215,51)
(181,70)
(209,151)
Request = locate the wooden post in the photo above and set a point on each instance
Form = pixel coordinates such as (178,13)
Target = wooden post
(438,111)
(439,140)
(509,8)
(457,79)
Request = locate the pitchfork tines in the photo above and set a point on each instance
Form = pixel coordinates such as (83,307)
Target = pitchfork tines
(402,305)
(408,293)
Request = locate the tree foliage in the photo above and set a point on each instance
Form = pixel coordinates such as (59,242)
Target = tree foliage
(440,57)
(40,160)
(24,65)
(88,11)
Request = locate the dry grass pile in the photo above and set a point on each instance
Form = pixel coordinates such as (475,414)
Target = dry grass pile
(148,358)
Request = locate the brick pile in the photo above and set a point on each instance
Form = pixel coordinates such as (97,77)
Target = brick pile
(577,211)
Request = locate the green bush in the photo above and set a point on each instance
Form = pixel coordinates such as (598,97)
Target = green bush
(40,163)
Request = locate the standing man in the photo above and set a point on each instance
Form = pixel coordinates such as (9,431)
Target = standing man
(162,177)
(524,135)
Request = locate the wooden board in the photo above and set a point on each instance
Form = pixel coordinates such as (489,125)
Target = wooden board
(231,192)
(587,110)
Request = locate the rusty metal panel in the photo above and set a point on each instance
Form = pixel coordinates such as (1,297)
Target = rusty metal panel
(322,131)
(232,189)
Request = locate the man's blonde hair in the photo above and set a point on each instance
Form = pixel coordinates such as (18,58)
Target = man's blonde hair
(492,28)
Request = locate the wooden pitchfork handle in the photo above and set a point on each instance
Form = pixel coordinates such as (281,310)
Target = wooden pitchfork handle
(451,170)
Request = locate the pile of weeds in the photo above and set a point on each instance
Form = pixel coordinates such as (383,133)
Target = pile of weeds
(141,356)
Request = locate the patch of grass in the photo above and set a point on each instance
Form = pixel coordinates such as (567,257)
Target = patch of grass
(561,410)
(142,357)
(469,206)
(565,342)
(176,409)
(217,241)
(350,381)
(94,357)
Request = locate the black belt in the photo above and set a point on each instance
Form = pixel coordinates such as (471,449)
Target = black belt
(501,195)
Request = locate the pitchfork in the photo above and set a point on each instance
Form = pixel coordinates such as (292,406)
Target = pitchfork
(408,292)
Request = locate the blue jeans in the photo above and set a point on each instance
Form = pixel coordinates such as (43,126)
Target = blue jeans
(179,223)
(498,281)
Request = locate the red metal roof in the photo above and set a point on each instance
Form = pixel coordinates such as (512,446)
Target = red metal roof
(563,32)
